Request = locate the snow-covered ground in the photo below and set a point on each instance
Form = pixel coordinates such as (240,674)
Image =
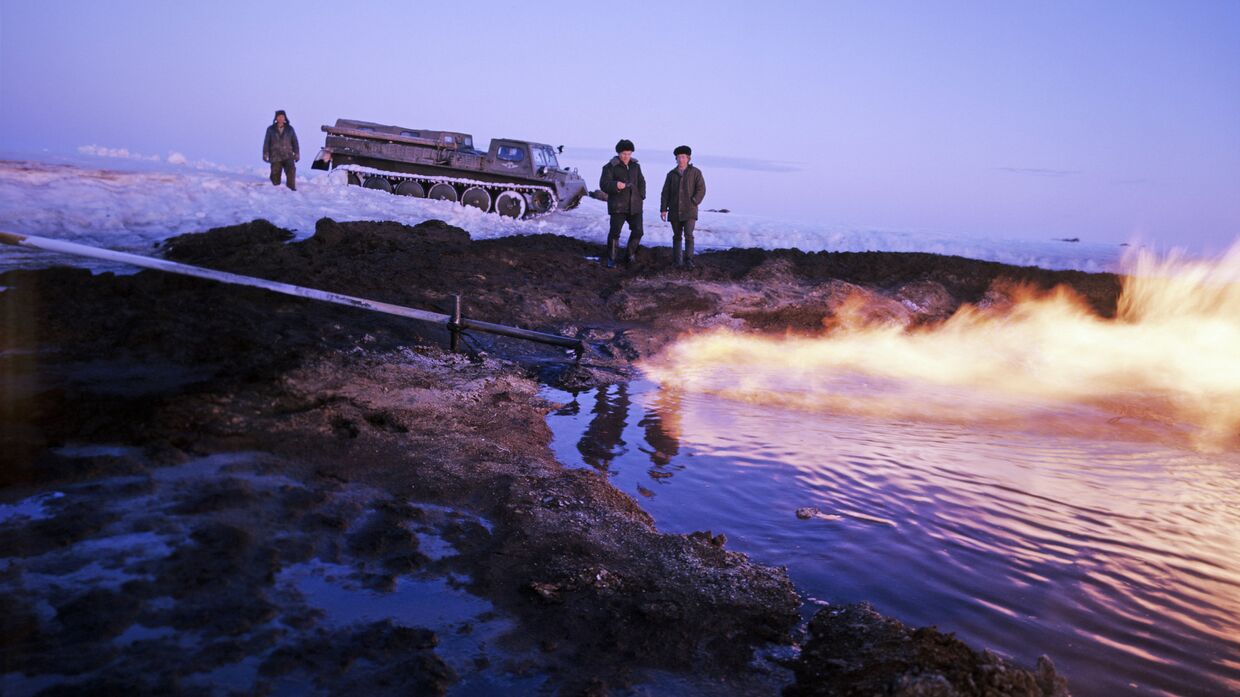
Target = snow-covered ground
(120,200)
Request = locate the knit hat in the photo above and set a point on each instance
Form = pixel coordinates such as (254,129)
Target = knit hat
(625,144)
(683,150)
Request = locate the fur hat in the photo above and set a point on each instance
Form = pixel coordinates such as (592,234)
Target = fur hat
(279,113)
(683,150)
(624,144)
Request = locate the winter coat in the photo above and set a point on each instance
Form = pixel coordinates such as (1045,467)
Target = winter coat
(630,199)
(278,147)
(682,193)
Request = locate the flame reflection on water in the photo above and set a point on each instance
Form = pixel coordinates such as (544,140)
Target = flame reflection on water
(1117,558)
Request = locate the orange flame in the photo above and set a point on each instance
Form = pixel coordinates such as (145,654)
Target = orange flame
(1168,364)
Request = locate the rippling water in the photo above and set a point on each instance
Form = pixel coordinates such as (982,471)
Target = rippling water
(1119,560)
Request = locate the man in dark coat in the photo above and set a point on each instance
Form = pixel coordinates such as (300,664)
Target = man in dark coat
(683,191)
(626,189)
(280,148)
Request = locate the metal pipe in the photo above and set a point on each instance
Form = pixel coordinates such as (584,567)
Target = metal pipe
(454,324)
(519,333)
(63,247)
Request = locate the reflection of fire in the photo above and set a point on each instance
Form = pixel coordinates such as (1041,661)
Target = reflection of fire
(1171,357)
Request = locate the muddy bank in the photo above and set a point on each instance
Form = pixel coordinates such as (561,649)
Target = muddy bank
(547,282)
(191,461)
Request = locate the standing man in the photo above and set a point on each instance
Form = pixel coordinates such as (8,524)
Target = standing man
(626,189)
(280,148)
(683,191)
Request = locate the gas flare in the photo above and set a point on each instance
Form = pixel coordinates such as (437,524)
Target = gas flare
(1168,363)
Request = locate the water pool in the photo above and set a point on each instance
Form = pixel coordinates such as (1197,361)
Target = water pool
(1120,560)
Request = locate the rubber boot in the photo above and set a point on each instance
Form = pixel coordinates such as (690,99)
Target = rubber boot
(688,254)
(610,260)
(630,254)
(677,258)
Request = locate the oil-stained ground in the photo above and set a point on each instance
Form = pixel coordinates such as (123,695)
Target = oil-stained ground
(208,489)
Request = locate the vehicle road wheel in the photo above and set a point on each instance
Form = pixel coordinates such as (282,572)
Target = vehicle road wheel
(411,188)
(510,204)
(538,202)
(377,182)
(477,197)
(443,192)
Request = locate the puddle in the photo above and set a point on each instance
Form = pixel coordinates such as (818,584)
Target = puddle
(242,676)
(138,632)
(33,508)
(178,525)
(212,466)
(466,625)
(82,450)
(18,684)
(434,547)
(413,603)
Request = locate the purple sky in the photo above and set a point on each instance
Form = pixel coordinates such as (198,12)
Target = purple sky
(1099,120)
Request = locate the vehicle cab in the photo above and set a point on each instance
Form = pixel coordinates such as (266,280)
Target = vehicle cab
(522,158)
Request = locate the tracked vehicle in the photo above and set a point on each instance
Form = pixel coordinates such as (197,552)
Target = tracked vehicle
(514,178)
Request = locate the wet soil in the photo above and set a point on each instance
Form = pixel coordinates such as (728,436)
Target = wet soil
(180,461)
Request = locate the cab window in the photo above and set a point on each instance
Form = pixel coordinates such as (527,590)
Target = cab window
(509,153)
(549,156)
(411,134)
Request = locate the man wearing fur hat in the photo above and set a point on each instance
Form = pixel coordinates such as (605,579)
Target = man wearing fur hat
(626,189)
(683,191)
(280,148)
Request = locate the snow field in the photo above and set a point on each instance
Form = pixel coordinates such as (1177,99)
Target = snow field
(91,201)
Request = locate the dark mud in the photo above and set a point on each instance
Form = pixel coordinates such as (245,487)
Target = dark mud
(854,650)
(186,466)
